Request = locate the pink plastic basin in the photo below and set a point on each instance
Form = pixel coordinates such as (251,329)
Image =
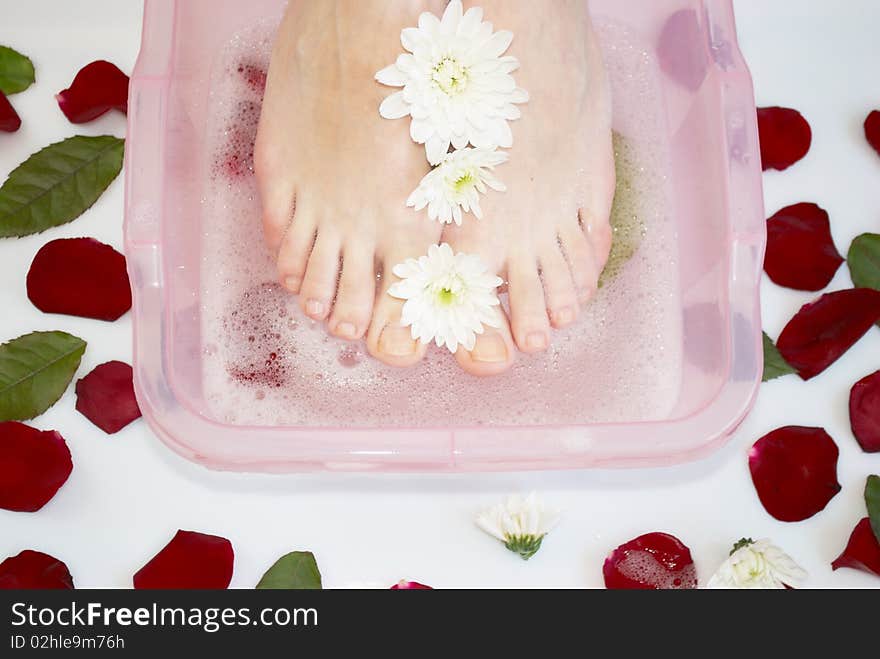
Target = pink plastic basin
(705,92)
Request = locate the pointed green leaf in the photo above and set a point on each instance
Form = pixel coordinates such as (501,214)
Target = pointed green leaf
(872,499)
(58,184)
(294,571)
(775,365)
(16,71)
(35,370)
(864,261)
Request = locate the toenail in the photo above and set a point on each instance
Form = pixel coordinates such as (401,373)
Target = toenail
(315,308)
(292,283)
(537,340)
(397,341)
(347,330)
(490,349)
(565,316)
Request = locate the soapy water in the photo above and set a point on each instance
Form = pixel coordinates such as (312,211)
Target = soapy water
(266,363)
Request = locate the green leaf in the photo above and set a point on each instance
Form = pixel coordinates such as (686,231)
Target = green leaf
(16,71)
(58,184)
(864,261)
(35,370)
(872,499)
(294,571)
(775,365)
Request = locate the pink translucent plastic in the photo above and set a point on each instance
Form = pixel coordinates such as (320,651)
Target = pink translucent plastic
(715,175)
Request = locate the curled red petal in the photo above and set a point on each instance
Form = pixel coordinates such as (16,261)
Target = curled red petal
(800,250)
(681,51)
(254,75)
(98,88)
(655,561)
(794,470)
(785,137)
(79,277)
(9,119)
(410,585)
(862,551)
(872,130)
(236,158)
(191,561)
(34,570)
(821,332)
(864,412)
(106,397)
(34,464)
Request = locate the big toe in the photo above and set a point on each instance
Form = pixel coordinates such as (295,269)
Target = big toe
(494,351)
(388,340)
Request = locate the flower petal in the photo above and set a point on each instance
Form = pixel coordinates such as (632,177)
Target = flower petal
(823,331)
(255,76)
(862,551)
(410,585)
(392,76)
(191,561)
(655,561)
(9,119)
(96,89)
(34,570)
(106,397)
(79,277)
(680,50)
(794,470)
(872,130)
(800,250)
(394,107)
(34,465)
(864,412)
(785,137)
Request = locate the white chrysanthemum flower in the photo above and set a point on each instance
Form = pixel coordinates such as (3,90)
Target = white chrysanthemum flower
(757,565)
(455,185)
(520,524)
(457,86)
(449,297)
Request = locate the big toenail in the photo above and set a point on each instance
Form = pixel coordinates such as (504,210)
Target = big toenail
(315,308)
(537,340)
(292,283)
(565,316)
(490,349)
(397,341)
(347,330)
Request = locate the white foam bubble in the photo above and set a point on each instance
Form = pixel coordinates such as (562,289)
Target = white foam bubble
(264,363)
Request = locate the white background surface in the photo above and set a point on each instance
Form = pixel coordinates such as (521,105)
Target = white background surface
(128,494)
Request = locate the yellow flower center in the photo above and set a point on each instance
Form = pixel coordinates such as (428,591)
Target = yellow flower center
(450,76)
(446,297)
(465,180)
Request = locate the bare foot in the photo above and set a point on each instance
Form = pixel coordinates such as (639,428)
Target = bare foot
(334,176)
(549,235)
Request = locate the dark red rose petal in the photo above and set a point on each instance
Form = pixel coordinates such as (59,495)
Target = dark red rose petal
(34,570)
(9,119)
(872,130)
(98,88)
(823,331)
(680,50)
(410,585)
(785,137)
(800,250)
(656,561)
(794,470)
(255,77)
(862,552)
(255,353)
(191,561)
(79,277)
(34,464)
(106,397)
(236,159)
(864,412)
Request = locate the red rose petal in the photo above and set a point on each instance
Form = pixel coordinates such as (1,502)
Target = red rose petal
(34,464)
(79,277)
(410,585)
(98,88)
(9,119)
(864,412)
(656,561)
(34,570)
(872,130)
(794,470)
(785,137)
(800,250)
(236,160)
(106,397)
(191,561)
(862,552)
(255,76)
(255,354)
(681,52)
(821,332)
